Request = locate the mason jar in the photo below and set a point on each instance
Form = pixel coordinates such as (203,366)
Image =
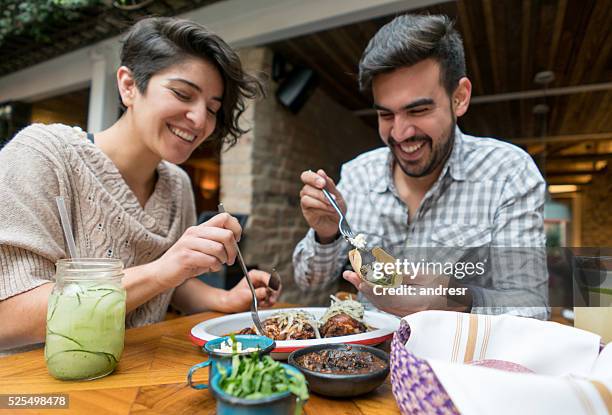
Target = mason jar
(85,319)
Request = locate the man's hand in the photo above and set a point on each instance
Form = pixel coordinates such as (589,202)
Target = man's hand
(239,298)
(318,212)
(402,305)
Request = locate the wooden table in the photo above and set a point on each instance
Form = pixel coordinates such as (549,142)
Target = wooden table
(151,379)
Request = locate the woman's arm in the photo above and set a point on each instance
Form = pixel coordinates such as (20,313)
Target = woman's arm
(202,248)
(195,296)
(24,315)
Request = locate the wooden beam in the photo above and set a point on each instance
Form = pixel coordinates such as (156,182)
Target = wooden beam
(570,180)
(582,157)
(558,29)
(519,95)
(494,46)
(561,138)
(572,172)
(463,16)
(538,93)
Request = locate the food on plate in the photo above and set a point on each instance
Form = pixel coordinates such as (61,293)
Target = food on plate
(373,273)
(342,318)
(288,325)
(291,325)
(231,346)
(341,361)
(254,378)
(501,365)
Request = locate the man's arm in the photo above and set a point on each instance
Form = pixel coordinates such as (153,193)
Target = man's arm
(518,254)
(319,257)
(316,264)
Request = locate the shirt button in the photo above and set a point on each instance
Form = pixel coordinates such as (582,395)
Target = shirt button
(461,241)
(148,222)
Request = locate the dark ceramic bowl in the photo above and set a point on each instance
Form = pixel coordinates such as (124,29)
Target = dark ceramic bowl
(340,385)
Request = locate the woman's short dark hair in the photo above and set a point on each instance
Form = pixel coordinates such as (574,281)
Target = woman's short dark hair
(410,39)
(156,43)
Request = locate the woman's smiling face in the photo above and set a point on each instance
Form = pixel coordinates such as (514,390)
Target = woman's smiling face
(178,110)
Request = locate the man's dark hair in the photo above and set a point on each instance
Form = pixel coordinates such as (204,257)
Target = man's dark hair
(410,39)
(154,44)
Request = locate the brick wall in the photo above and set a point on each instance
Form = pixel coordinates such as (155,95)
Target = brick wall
(596,213)
(260,176)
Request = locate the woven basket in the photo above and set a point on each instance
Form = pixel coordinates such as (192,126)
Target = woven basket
(415,386)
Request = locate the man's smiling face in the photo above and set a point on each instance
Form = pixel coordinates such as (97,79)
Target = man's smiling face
(415,117)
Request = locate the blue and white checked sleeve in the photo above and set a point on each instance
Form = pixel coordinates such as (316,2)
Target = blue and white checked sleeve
(316,264)
(518,254)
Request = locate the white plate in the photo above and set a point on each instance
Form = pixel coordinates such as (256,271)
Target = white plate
(385,325)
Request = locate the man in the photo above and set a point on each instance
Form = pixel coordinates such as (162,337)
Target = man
(431,186)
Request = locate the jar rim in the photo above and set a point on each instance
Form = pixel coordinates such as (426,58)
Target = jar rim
(90,260)
(74,267)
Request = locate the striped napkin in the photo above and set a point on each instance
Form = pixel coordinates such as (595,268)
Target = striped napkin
(570,375)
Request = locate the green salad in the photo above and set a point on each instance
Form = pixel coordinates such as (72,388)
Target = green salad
(252,378)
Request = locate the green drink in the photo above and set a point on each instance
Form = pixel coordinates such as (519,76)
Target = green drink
(85,320)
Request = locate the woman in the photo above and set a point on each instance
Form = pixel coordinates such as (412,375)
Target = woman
(179,85)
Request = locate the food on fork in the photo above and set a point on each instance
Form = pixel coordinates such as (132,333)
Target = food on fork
(359,241)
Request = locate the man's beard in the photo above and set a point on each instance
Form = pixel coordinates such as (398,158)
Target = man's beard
(438,154)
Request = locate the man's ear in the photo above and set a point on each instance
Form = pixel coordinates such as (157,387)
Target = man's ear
(461,97)
(126,85)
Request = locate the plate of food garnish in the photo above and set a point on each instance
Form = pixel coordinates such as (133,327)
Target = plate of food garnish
(344,321)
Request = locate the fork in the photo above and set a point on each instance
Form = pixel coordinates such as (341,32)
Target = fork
(346,231)
(254,311)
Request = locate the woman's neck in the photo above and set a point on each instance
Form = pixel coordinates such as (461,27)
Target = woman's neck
(134,160)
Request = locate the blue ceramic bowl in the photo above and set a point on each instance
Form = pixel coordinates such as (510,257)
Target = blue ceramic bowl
(265,344)
(279,404)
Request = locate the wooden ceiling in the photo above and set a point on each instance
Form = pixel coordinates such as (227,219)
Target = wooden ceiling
(506,43)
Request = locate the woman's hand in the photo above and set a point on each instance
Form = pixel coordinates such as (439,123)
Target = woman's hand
(202,248)
(239,298)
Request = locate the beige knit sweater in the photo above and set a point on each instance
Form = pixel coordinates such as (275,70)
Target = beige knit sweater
(42,162)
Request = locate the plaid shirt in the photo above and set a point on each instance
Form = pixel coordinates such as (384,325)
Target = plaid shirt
(489,194)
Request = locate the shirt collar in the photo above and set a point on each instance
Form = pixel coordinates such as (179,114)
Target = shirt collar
(456,161)
(382,179)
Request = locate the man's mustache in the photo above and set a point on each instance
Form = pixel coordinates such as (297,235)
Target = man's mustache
(416,138)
